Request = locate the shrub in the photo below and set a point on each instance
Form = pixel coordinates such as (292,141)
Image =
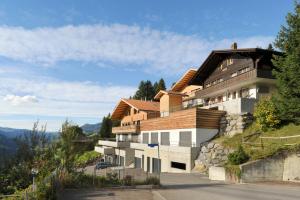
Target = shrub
(127,180)
(266,114)
(152,181)
(238,157)
(112,178)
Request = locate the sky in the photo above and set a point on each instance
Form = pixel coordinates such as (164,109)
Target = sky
(75,59)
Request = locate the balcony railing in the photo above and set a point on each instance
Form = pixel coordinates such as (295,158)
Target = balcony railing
(228,83)
(126,129)
(114,143)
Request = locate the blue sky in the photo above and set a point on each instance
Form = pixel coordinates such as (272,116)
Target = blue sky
(74,59)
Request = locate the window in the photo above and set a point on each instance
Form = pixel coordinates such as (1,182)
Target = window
(234,74)
(185,138)
(145,138)
(229,61)
(165,138)
(244,93)
(178,165)
(234,95)
(241,71)
(154,138)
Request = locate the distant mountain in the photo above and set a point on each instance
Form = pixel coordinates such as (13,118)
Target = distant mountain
(7,145)
(7,135)
(91,128)
(12,132)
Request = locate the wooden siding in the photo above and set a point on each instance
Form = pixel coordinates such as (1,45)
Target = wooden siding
(239,63)
(190,118)
(209,118)
(228,83)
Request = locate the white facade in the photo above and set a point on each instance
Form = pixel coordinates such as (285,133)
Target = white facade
(199,135)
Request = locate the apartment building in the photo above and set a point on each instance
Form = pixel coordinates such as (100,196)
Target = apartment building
(229,81)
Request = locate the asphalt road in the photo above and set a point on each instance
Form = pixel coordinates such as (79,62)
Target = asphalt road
(195,186)
(190,187)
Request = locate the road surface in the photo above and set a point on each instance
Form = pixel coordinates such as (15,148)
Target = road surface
(190,187)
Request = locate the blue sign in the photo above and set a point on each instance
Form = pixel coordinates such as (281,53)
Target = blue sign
(152,145)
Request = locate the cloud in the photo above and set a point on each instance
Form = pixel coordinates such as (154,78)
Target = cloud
(59,98)
(16,100)
(139,47)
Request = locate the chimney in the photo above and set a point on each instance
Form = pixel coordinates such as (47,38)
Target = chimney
(234,46)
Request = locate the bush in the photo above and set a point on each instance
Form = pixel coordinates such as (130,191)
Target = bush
(127,180)
(238,157)
(152,181)
(266,114)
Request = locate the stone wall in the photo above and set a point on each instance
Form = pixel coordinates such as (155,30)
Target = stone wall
(232,124)
(211,154)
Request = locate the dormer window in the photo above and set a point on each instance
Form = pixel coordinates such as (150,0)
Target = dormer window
(229,61)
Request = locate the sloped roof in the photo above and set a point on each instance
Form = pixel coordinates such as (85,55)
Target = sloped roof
(184,80)
(216,56)
(162,92)
(137,104)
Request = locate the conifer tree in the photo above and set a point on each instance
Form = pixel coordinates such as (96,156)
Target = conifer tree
(288,67)
(145,91)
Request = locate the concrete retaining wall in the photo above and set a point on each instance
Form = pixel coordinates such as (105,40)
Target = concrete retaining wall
(282,167)
(217,173)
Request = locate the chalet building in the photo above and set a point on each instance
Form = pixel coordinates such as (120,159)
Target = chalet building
(184,117)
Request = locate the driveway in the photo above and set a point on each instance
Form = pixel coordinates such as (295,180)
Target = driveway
(190,187)
(195,186)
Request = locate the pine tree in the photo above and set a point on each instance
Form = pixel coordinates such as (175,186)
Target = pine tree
(106,127)
(288,68)
(160,86)
(270,47)
(145,91)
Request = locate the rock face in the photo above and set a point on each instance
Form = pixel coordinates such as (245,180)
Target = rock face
(211,154)
(235,123)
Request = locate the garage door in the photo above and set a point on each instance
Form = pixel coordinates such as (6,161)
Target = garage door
(165,138)
(137,162)
(185,138)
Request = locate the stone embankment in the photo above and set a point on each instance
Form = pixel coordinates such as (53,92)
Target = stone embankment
(211,154)
(232,124)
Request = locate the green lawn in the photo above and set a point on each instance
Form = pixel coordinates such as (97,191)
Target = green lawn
(258,148)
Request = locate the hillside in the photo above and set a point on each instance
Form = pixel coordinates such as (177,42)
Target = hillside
(91,128)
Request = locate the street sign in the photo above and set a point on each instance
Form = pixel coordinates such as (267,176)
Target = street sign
(152,145)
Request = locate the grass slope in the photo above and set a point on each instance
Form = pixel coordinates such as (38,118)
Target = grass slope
(257,148)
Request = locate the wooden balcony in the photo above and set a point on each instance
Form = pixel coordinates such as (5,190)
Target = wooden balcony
(184,119)
(228,83)
(126,129)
